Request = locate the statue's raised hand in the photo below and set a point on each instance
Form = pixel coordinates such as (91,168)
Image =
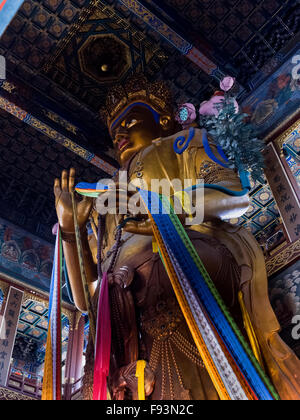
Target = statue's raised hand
(63,189)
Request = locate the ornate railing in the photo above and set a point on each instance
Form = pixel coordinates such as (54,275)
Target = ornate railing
(21,383)
(20,386)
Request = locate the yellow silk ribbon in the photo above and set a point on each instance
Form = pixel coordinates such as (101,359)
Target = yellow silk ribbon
(185,202)
(154,246)
(47,391)
(250,331)
(140,374)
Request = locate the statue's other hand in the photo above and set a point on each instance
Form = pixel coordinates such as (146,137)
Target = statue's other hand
(128,203)
(63,202)
(126,380)
(140,227)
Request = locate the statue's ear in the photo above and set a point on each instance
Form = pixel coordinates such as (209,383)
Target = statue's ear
(165,122)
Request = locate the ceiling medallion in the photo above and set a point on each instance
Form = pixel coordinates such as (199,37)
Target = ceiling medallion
(105,58)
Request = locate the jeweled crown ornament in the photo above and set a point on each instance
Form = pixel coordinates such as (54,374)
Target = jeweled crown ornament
(137,89)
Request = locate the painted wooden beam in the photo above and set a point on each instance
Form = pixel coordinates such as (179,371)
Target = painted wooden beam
(181,44)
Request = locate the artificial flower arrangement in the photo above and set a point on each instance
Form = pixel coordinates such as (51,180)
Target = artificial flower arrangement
(222,119)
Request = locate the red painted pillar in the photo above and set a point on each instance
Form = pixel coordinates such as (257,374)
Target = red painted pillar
(74,356)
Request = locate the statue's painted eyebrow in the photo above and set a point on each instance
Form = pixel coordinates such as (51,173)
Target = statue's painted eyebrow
(155,114)
(131,115)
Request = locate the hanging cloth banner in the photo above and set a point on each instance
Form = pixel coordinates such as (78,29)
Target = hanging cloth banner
(8,330)
(285,196)
(52,382)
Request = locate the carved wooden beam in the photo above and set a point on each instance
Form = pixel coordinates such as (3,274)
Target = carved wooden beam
(40,126)
(283,258)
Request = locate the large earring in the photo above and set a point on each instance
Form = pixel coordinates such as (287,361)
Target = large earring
(165,122)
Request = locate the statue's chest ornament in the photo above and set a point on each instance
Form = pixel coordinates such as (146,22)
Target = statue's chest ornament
(181,143)
(162,320)
(138,169)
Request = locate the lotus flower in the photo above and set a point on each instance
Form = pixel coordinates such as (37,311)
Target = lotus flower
(227,83)
(55,229)
(186,115)
(211,107)
(214,105)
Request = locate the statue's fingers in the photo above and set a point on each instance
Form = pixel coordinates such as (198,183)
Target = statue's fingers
(56,188)
(71,179)
(64,181)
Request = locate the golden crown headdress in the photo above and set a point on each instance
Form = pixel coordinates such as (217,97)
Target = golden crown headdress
(137,89)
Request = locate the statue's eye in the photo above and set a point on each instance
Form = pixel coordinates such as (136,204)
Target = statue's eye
(131,123)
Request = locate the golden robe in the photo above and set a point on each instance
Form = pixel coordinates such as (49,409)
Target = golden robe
(159,161)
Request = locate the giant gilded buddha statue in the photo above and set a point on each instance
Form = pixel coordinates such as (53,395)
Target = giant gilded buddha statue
(148,322)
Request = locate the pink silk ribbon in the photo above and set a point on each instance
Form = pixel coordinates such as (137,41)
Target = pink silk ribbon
(102,343)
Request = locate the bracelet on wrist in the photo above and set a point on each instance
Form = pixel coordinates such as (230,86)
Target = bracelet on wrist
(70,237)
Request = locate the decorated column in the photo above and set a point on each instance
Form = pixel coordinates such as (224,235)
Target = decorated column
(8,330)
(74,355)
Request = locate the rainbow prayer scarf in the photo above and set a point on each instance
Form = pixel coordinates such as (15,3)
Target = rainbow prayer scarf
(52,381)
(231,364)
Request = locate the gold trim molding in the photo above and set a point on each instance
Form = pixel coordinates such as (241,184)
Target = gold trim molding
(4,287)
(31,294)
(279,141)
(283,258)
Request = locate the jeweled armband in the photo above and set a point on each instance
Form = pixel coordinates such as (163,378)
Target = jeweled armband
(212,173)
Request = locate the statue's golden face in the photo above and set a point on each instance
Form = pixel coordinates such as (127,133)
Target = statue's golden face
(135,132)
